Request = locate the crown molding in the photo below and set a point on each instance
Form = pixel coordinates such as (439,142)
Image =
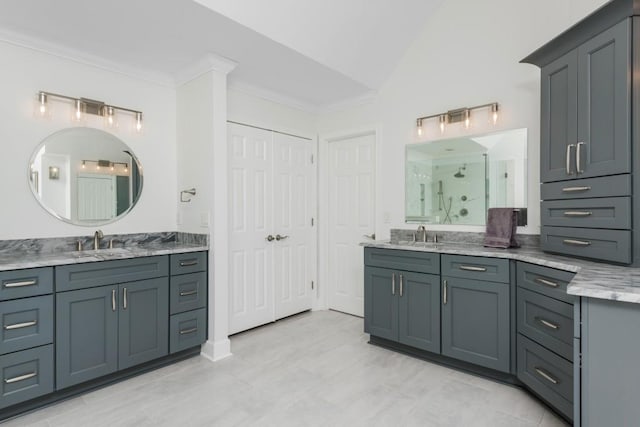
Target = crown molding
(209,62)
(64,52)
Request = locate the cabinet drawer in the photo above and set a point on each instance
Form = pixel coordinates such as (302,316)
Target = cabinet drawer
(79,276)
(26,283)
(187,330)
(546,373)
(26,374)
(608,212)
(604,245)
(606,186)
(26,323)
(471,267)
(188,263)
(547,321)
(188,292)
(420,262)
(544,280)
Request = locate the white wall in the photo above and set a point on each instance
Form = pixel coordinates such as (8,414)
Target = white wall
(24,72)
(468,54)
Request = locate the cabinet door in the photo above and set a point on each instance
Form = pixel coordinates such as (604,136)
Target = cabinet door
(419,310)
(604,106)
(475,322)
(559,116)
(144,321)
(86,335)
(381,303)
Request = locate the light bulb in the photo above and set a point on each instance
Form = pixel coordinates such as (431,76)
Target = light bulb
(494,113)
(42,100)
(112,166)
(138,122)
(419,123)
(77,110)
(110,117)
(83,165)
(42,109)
(467,118)
(443,123)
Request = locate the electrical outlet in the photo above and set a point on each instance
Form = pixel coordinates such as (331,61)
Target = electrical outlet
(386,217)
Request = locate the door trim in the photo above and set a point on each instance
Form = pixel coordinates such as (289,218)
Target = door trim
(322,288)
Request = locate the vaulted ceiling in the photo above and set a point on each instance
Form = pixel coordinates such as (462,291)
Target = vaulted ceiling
(314,53)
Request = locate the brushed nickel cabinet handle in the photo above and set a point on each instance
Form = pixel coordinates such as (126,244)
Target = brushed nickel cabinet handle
(471,268)
(191,263)
(187,293)
(546,282)
(124,298)
(21,284)
(20,378)
(113,300)
(548,324)
(574,189)
(547,376)
(20,325)
(576,242)
(568,159)
(393,284)
(401,284)
(188,331)
(578,157)
(577,213)
(444,292)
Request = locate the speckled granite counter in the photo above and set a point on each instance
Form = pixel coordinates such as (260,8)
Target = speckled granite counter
(592,279)
(30,253)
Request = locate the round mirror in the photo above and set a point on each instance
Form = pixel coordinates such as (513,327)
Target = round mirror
(85,176)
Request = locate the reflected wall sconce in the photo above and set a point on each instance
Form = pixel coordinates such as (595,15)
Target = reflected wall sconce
(104,164)
(459,115)
(187,193)
(84,106)
(54,172)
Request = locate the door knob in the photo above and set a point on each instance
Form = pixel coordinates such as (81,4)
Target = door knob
(279,237)
(270,238)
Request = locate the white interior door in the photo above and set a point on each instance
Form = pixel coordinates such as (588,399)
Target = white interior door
(96,197)
(351,217)
(294,251)
(251,221)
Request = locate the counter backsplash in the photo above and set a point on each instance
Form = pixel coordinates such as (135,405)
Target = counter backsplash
(69,244)
(397,234)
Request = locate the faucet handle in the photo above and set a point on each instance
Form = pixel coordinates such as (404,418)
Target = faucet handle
(99,234)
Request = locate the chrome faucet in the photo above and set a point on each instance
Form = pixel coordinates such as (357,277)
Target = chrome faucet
(97,236)
(421,229)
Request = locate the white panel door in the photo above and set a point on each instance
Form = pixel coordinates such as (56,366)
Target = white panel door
(351,216)
(294,249)
(96,197)
(251,221)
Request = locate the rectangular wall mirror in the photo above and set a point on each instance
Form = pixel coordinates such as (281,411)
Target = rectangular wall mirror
(455,181)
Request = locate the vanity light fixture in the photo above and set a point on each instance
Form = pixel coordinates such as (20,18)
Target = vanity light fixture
(84,106)
(459,115)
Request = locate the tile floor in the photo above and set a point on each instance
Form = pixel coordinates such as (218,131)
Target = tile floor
(314,369)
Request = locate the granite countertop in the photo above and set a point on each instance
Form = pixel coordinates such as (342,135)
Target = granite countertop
(592,279)
(18,260)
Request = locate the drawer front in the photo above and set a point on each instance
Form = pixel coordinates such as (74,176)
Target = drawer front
(188,292)
(26,323)
(420,262)
(608,212)
(187,330)
(188,263)
(547,321)
(607,186)
(79,276)
(26,283)
(476,268)
(544,280)
(26,374)
(546,373)
(604,245)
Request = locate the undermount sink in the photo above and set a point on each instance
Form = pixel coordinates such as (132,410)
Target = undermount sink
(101,252)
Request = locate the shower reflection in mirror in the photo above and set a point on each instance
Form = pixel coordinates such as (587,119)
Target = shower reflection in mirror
(455,181)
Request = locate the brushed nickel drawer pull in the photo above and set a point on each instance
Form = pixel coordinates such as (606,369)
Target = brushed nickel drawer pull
(578,213)
(185,294)
(547,376)
(189,263)
(471,268)
(576,242)
(21,284)
(20,325)
(188,331)
(20,378)
(546,282)
(574,189)
(548,324)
